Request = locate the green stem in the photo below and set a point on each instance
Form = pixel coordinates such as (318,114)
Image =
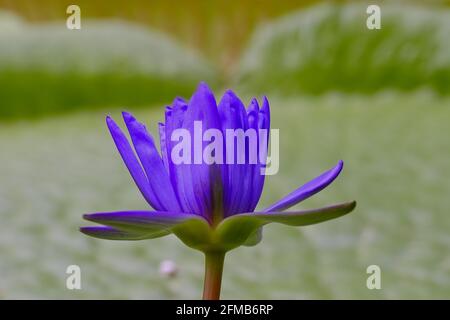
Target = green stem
(213,274)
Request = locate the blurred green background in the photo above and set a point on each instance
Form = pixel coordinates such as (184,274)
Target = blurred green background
(378,99)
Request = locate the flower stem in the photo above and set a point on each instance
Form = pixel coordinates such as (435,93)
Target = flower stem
(213,274)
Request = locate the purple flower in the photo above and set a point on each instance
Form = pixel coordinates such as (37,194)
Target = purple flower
(210,207)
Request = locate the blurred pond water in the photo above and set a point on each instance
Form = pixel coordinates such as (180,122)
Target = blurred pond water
(396,152)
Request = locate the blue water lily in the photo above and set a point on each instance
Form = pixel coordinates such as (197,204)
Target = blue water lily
(209,207)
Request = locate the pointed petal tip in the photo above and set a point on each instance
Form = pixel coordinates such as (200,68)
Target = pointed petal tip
(230,92)
(254,102)
(349,205)
(339,166)
(265,107)
(96,217)
(253,106)
(229,97)
(112,125)
(178,101)
(128,116)
(179,104)
(88,217)
(336,171)
(352,205)
(85,230)
(109,119)
(203,93)
(101,217)
(203,86)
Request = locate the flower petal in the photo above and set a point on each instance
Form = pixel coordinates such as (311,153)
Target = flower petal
(263,123)
(157,176)
(307,190)
(109,233)
(131,162)
(199,185)
(163,145)
(236,230)
(233,116)
(140,221)
(250,181)
(174,120)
